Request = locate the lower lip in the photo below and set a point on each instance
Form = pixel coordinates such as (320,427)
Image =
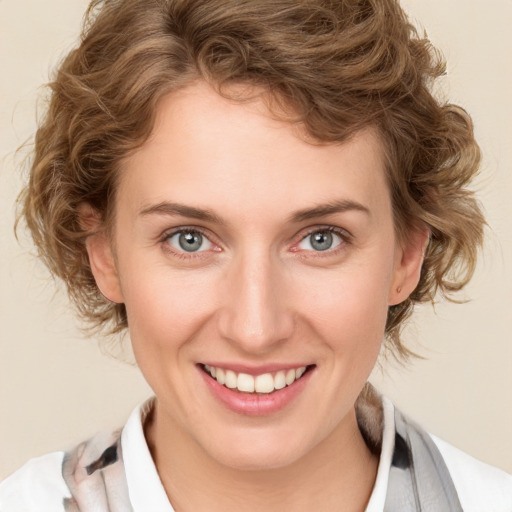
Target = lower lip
(253,404)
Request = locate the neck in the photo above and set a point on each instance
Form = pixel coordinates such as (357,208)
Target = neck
(338,474)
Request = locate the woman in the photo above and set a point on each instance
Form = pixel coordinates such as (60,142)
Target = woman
(260,192)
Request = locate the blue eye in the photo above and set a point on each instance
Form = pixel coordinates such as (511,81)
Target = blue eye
(321,240)
(189,241)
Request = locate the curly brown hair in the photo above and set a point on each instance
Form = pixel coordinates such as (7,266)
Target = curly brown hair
(335,66)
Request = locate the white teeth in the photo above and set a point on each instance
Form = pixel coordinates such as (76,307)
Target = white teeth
(245,383)
(290,377)
(279,380)
(299,372)
(220,376)
(210,369)
(230,379)
(264,383)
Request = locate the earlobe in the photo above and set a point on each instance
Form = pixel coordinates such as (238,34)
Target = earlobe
(103,267)
(408,264)
(101,257)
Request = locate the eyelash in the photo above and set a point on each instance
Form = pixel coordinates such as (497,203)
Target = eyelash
(341,233)
(344,236)
(184,254)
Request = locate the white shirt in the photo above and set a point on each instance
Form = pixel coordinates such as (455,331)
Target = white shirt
(39,486)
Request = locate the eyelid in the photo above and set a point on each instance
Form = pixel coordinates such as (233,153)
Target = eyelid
(345,235)
(342,233)
(206,244)
(188,229)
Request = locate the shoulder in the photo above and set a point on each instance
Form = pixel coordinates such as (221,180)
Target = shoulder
(38,486)
(479,485)
(80,474)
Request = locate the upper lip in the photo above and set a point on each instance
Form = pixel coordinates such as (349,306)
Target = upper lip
(253,369)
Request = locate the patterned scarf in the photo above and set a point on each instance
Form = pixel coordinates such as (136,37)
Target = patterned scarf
(419,480)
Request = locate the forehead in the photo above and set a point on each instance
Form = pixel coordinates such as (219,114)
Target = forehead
(208,151)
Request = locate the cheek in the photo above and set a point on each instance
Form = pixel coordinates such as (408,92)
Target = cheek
(166,309)
(350,304)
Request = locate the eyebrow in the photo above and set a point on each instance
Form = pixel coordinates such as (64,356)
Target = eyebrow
(173,209)
(176,209)
(330,208)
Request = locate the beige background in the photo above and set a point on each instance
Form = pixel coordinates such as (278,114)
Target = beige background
(56,388)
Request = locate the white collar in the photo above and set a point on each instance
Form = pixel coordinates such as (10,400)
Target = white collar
(378,497)
(144,485)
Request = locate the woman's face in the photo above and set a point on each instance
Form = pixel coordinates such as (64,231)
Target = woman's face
(239,246)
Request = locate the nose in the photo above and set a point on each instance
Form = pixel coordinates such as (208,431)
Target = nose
(256,314)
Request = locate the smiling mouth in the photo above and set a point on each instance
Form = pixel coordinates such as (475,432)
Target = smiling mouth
(263,384)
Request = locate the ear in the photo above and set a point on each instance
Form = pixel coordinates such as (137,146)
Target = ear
(101,256)
(408,262)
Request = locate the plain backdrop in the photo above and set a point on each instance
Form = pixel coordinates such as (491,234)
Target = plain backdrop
(57,388)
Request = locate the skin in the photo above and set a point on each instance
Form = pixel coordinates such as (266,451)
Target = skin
(256,293)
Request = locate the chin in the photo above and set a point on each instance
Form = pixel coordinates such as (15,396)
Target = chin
(257,452)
